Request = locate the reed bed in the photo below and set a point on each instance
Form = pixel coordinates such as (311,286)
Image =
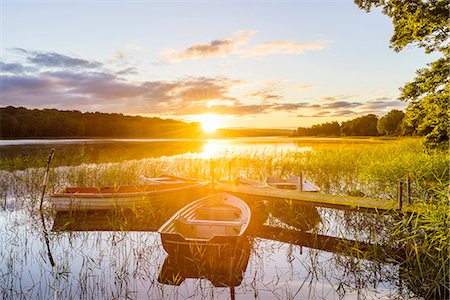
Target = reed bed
(124,264)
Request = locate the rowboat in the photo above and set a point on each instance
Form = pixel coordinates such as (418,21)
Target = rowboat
(292,183)
(167,179)
(214,220)
(92,198)
(251,182)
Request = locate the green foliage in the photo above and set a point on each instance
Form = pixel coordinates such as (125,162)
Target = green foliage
(361,126)
(424,23)
(339,166)
(415,21)
(428,111)
(425,238)
(365,125)
(324,129)
(22,122)
(390,124)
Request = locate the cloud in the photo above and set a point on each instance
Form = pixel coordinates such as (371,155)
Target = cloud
(264,96)
(118,56)
(383,103)
(339,97)
(234,45)
(341,104)
(282,47)
(378,106)
(325,99)
(127,71)
(60,81)
(89,90)
(213,49)
(301,87)
(56,60)
(14,68)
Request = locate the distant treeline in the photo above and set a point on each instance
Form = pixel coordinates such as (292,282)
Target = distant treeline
(368,125)
(23,122)
(17,122)
(251,132)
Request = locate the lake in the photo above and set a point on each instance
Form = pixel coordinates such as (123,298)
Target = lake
(290,251)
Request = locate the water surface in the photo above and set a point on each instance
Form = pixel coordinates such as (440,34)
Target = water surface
(291,252)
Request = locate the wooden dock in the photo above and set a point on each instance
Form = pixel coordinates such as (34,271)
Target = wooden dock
(316,199)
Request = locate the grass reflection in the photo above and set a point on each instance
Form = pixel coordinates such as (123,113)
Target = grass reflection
(294,252)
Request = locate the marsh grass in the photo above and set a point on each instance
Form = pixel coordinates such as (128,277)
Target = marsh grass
(425,239)
(368,169)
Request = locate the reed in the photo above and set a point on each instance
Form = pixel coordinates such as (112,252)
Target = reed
(104,258)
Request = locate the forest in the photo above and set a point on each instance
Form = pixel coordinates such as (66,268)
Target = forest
(23,122)
(393,123)
(20,122)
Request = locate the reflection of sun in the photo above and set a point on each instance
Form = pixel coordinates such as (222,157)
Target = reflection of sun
(210,122)
(212,149)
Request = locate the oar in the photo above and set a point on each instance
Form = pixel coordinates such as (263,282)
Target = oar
(49,160)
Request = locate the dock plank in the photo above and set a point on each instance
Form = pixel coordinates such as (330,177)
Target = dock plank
(316,199)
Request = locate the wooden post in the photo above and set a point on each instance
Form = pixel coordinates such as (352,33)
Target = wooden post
(300,186)
(229,171)
(211,170)
(232,293)
(45,181)
(408,189)
(400,194)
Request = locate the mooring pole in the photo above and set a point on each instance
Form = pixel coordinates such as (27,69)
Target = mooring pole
(45,181)
(211,169)
(408,189)
(229,171)
(300,186)
(400,194)
(232,293)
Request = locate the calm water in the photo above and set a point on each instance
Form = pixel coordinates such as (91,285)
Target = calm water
(290,251)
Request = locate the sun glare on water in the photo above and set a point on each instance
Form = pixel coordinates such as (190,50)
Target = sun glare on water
(210,122)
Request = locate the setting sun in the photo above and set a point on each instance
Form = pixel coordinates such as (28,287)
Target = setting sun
(210,122)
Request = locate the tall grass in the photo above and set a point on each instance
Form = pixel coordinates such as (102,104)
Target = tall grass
(365,169)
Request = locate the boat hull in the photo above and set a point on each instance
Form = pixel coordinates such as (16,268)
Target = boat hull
(108,201)
(211,223)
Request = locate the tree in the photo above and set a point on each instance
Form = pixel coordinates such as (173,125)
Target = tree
(363,126)
(22,122)
(424,23)
(390,124)
(428,111)
(324,129)
(415,21)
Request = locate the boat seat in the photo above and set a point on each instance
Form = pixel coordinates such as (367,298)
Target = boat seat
(211,223)
(285,186)
(218,213)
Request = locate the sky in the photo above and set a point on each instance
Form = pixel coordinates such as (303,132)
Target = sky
(263,64)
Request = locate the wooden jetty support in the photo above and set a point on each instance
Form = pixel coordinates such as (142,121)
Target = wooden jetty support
(327,243)
(316,199)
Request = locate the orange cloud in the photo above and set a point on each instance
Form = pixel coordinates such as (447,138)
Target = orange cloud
(213,49)
(50,79)
(234,45)
(282,47)
(301,87)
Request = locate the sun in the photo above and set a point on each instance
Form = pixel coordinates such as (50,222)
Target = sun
(210,122)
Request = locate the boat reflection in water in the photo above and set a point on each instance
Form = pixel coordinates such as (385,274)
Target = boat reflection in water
(223,266)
